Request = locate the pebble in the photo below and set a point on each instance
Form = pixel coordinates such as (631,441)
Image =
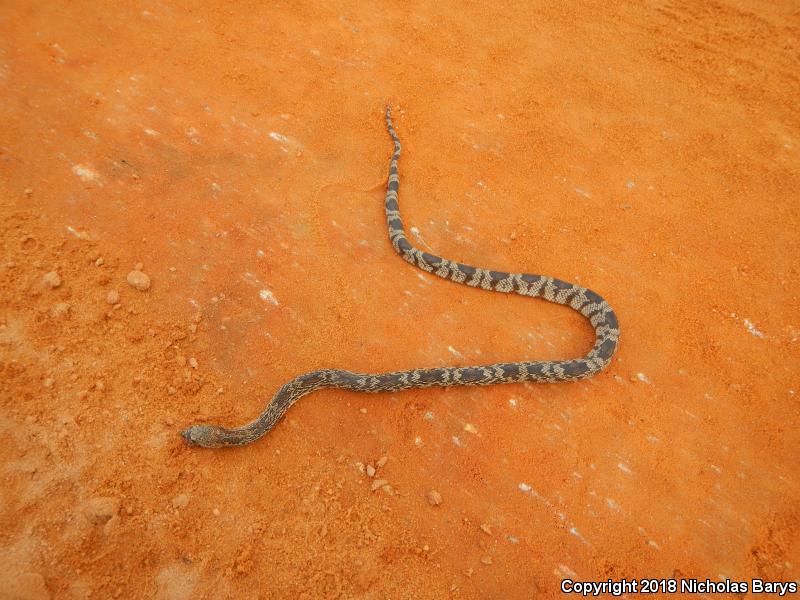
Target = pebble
(112,297)
(100,510)
(99,262)
(378,483)
(59,310)
(48,382)
(180,501)
(139,280)
(363,411)
(51,280)
(470,428)
(193,362)
(486,560)
(370,470)
(138,266)
(381,461)
(487,529)
(216,512)
(434,498)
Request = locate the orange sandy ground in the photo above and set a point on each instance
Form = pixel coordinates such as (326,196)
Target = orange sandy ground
(649,152)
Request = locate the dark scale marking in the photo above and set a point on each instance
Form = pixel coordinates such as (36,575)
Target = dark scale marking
(561,292)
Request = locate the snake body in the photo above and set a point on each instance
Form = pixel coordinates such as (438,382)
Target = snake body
(590,304)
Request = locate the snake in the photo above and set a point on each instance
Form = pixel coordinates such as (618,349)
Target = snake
(588,303)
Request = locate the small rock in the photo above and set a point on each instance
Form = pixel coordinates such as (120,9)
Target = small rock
(28,191)
(59,310)
(487,529)
(486,560)
(139,280)
(48,382)
(112,297)
(216,512)
(363,411)
(381,461)
(138,266)
(99,262)
(370,471)
(99,385)
(471,428)
(378,483)
(193,362)
(100,510)
(180,501)
(434,498)
(51,280)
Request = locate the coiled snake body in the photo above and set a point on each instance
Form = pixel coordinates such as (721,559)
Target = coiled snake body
(583,300)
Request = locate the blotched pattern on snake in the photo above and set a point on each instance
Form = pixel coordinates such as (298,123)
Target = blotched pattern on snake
(583,300)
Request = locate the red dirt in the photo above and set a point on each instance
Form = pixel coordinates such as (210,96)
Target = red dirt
(649,152)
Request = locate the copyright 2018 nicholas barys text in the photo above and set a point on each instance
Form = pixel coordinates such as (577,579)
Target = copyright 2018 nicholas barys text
(618,587)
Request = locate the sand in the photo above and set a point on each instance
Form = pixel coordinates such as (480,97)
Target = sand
(235,155)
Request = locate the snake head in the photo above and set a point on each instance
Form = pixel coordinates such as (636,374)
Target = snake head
(206,436)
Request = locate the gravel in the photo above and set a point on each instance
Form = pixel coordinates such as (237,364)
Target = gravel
(139,280)
(51,280)
(100,510)
(180,501)
(378,483)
